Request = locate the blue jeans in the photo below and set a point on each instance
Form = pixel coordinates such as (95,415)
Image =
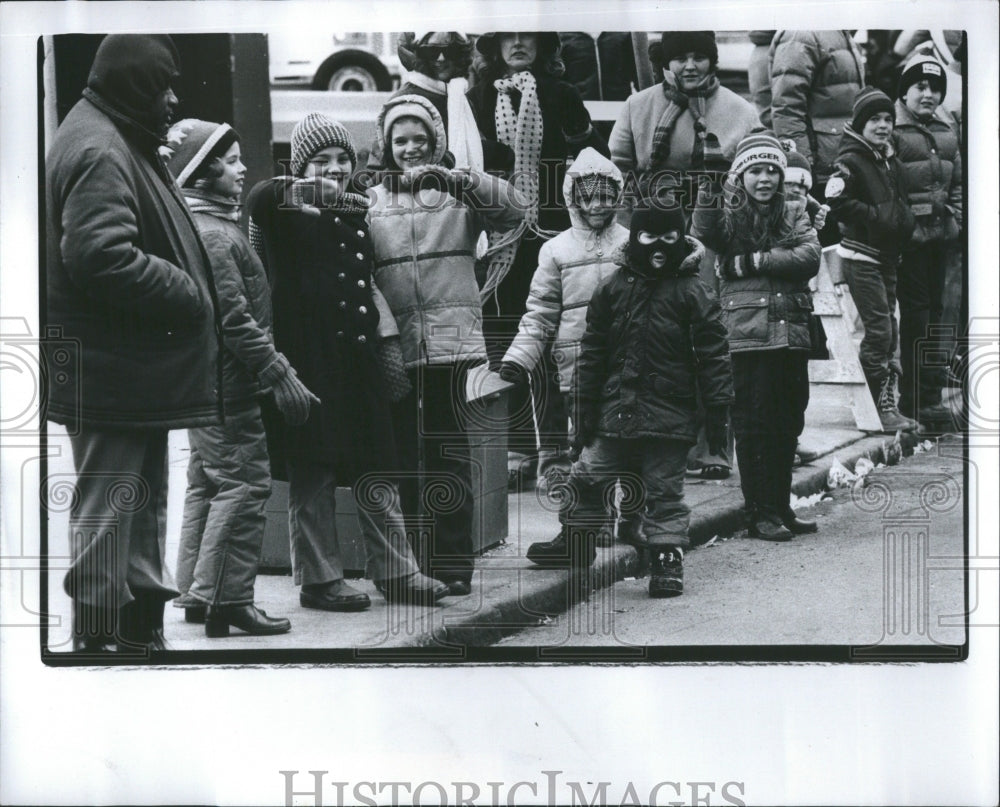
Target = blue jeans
(873,288)
(651,472)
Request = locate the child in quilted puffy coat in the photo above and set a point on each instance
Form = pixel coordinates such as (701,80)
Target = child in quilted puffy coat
(425,220)
(570,268)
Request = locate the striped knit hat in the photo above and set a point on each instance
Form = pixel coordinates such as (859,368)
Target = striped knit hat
(314,133)
(192,144)
(868,102)
(798,170)
(760,148)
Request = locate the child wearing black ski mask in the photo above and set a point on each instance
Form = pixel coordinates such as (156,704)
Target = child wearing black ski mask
(654,338)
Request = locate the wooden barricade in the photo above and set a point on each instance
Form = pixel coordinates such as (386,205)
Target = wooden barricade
(842,370)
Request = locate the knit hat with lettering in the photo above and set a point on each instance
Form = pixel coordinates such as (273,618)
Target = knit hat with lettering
(191,146)
(923,67)
(867,103)
(760,148)
(314,133)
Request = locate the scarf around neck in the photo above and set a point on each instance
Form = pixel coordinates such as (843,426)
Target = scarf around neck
(199,201)
(694,101)
(464,141)
(522,131)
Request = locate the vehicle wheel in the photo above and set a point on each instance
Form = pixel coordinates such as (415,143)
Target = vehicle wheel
(353,72)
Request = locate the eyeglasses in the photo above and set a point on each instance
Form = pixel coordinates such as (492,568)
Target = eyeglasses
(431,53)
(646,239)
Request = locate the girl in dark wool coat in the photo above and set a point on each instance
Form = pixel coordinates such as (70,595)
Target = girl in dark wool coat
(328,318)
(766,255)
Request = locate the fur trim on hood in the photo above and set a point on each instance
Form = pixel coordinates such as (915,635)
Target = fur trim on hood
(426,112)
(588,162)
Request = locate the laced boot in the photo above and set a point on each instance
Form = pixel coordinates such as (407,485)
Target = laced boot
(888,412)
(666,572)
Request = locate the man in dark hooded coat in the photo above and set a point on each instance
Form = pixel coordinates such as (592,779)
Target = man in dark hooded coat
(129,287)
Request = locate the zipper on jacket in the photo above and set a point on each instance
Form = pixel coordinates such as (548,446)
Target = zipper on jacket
(416,275)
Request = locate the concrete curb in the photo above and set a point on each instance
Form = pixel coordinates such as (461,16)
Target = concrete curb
(537,594)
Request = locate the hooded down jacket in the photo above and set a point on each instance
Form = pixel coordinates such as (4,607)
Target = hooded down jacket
(128,280)
(814,78)
(424,244)
(652,343)
(932,168)
(570,268)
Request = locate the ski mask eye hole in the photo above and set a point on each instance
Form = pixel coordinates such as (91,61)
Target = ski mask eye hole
(648,239)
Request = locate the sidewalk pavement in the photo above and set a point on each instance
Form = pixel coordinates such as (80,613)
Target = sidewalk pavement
(508,592)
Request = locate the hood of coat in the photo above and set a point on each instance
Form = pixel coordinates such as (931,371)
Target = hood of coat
(589,162)
(854,143)
(688,267)
(426,111)
(131,70)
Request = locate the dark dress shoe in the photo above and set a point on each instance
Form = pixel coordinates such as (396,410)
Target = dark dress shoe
(335,596)
(195,614)
(559,553)
(413,589)
(796,525)
(767,529)
(247,618)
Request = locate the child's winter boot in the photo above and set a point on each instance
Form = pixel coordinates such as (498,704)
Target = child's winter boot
(666,572)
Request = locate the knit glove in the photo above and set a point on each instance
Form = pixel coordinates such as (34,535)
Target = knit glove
(513,373)
(291,395)
(390,359)
(716,428)
(310,195)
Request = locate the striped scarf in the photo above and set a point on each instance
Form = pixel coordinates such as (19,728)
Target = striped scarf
(522,131)
(696,102)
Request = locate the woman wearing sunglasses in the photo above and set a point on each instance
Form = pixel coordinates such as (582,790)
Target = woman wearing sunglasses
(438,63)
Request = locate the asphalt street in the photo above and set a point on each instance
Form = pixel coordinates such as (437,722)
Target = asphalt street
(884,569)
